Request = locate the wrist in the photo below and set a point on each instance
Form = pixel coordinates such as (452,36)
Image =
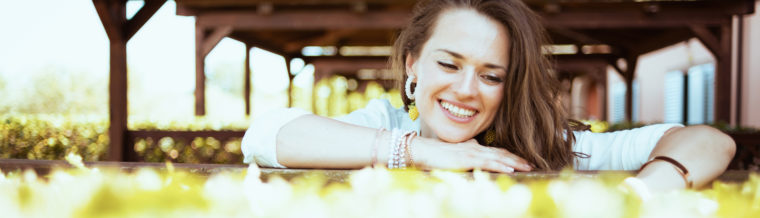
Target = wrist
(416,152)
(661,176)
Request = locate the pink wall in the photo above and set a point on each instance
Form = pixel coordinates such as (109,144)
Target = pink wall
(651,70)
(750,108)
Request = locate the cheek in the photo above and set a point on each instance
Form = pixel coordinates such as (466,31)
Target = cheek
(493,99)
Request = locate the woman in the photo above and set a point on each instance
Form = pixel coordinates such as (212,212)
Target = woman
(486,98)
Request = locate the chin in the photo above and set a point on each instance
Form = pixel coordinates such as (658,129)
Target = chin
(453,138)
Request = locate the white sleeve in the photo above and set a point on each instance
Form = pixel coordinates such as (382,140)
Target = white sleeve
(376,115)
(259,143)
(621,150)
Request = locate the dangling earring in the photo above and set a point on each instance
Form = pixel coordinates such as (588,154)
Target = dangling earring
(490,136)
(413,113)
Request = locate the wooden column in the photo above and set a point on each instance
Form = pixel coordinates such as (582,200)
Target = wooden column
(119,30)
(630,72)
(720,45)
(605,95)
(247,80)
(290,81)
(723,77)
(205,41)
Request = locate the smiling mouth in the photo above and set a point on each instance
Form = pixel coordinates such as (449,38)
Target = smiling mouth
(457,111)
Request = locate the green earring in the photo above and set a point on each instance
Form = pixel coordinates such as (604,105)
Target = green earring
(490,136)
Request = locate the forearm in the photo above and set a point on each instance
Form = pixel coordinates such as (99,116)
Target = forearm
(703,150)
(312,141)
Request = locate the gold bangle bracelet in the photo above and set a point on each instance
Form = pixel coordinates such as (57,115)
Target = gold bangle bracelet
(679,167)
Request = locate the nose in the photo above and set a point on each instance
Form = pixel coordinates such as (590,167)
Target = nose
(466,86)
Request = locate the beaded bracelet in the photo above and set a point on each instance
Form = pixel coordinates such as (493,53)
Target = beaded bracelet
(399,149)
(393,151)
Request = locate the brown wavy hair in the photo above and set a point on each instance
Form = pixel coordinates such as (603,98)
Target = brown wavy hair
(531,121)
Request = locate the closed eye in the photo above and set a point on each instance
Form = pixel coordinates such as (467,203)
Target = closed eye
(448,66)
(492,78)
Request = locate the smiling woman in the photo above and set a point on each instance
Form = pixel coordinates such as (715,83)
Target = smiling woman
(486,98)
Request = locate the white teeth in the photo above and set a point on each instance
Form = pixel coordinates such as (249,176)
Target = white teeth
(457,111)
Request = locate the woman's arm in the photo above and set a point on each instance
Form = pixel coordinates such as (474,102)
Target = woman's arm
(312,141)
(703,150)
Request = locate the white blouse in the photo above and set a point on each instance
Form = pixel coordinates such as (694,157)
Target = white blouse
(620,150)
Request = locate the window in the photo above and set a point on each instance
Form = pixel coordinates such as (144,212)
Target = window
(617,114)
(673,94)
(700,94)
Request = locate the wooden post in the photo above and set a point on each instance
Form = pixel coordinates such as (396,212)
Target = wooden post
(290,81)
(685,98)
(723,77)
(200,72)
(119,30)
(629,75)
(204,43)
(605,95)
(247,80)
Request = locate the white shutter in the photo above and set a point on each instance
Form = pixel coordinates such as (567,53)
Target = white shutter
(673,94)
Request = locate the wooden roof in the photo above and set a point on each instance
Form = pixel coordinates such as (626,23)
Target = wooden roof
(286,26)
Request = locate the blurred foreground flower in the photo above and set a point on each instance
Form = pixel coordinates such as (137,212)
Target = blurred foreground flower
(370,192)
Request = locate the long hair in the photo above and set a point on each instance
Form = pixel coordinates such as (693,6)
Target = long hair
(531,121)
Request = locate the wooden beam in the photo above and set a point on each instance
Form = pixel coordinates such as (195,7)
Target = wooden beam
(576,36)
(256,41)
(113,17)
(319,20)
(212,39)
(305,20)
(707,38)
(142,16)
(330,38)
(331,65)
(634,19)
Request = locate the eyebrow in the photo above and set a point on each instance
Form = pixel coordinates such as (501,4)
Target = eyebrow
(460,56)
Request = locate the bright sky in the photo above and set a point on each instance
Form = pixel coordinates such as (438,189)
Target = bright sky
(68,34)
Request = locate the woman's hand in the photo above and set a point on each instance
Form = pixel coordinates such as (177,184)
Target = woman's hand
(434,154)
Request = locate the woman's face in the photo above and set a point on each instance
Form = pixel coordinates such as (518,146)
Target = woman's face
(460,74)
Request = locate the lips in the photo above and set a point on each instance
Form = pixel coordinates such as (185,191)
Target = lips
(457,112)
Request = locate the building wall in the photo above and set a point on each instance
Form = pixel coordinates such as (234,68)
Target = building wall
(750,108)
(651,70)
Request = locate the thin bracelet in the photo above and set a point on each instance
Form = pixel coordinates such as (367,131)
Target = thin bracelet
(679,167)
(374,147)
(411,136)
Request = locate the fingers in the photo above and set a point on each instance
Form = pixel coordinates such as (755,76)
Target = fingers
(505,157)
(496,166)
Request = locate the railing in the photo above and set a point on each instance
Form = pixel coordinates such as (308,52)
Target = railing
(747,151)
(196,146)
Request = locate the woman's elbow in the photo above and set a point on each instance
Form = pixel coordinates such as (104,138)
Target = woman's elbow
(721,142)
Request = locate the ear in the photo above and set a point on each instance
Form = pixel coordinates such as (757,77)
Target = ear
(409,66)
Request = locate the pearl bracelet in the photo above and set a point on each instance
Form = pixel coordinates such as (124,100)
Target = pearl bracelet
(399,150)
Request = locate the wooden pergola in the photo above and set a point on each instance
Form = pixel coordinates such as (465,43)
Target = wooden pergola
(627,28)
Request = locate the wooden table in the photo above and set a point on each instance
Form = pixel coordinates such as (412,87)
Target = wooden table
(43,167)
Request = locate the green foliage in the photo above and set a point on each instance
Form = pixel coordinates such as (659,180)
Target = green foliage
(52,137)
